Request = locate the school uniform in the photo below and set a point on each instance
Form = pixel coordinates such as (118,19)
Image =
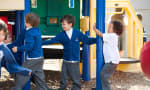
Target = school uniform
(8,61)
(34,55)
(71,55)
(111,58)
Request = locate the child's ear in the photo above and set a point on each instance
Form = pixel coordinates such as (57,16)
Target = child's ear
(6,36)
(70,24)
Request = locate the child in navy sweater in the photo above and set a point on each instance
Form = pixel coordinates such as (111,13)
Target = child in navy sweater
(70,39)
(34,54)
(7,59)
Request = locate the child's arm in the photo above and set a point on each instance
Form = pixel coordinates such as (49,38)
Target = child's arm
(27,47)
(52,40)
(86,40)
(29,43)
(97,31)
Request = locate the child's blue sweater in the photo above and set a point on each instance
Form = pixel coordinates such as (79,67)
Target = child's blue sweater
(71,47)
(32,44)
(8,61)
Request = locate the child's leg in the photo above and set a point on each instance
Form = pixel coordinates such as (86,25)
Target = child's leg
(20,81)
(64,76)
(38,77)
(105,74)
(74,73)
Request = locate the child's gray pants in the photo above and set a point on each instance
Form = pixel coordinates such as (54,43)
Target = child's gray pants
(107,71)
(38,77)
(70,70)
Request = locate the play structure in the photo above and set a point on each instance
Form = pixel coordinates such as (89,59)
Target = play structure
(133,34)
(86,13)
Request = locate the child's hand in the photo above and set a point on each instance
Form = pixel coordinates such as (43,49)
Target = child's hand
(97,31)
(14,49)
(94,27)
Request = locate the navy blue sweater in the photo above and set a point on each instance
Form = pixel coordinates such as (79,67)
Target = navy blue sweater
(8,61)
(71,47)
(32,44)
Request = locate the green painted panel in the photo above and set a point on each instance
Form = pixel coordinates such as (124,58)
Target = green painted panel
(55,7)
(41,9)
(52,11)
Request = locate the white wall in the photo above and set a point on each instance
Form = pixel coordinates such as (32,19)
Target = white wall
(140,4)
(11,5)
(143,6)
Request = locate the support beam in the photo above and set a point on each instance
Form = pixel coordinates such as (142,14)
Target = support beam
(27,10)
(18,26)
(86,48)
(100,24)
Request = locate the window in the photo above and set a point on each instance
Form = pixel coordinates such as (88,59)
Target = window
(71,3)
(34,3)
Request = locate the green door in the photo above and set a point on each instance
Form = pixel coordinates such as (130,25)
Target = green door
(51,11)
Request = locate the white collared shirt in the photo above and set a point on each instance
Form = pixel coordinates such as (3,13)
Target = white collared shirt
(1,43)
(28,28)
(110,48)
(69,33)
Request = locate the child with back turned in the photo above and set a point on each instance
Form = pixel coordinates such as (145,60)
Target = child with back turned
(34,54)
(110,51)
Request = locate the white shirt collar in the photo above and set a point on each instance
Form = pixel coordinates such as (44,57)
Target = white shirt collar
(28,28)
(1,43)
(69,30)
(69,33)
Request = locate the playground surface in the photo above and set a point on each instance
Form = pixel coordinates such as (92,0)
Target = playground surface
(120,81)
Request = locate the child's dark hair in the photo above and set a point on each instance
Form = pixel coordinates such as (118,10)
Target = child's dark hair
(3,27)
(69,19)
(139,17)
(7,34)
(32,19)
(117,27)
